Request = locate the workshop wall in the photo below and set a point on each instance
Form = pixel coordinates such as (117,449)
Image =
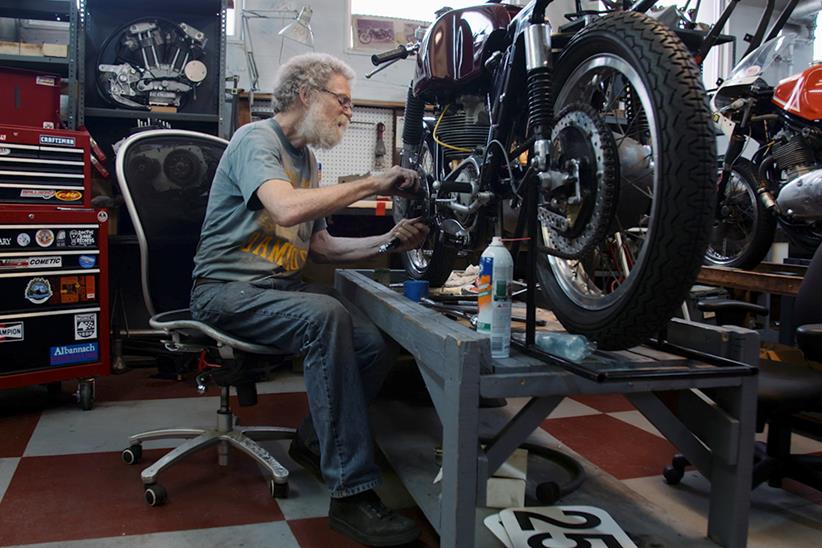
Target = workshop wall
(329,23)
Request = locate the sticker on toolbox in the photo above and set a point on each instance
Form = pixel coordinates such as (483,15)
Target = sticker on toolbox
(60,240)
(37,193)
(44,237)
(81,238)
(38,290)
(57,140)
(23,239)
(45,81)
(68,195)
(5,242)
(11,332)
(87,261)
(74,289)
(73,353)
(31,262)
(85,326)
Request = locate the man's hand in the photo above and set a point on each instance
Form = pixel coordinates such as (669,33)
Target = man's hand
(410,232)
(399,180)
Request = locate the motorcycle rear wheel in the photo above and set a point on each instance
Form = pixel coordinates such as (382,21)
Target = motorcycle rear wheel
(643,83)
(434,260)
(743,235)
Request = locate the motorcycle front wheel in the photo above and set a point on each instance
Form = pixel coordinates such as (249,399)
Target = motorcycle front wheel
(643,84)
(744,231)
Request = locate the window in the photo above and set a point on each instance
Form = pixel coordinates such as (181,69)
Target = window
(417,10)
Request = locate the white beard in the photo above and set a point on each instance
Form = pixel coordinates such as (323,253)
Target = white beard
(319,132)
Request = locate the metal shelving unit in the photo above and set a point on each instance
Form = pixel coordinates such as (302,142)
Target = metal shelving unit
(142,114)
(49,10)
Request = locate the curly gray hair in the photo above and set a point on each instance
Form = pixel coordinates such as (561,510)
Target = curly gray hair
(310,70)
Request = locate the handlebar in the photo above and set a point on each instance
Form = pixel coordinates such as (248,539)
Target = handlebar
(400,52)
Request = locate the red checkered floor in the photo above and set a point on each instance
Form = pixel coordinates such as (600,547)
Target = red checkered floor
(62,480)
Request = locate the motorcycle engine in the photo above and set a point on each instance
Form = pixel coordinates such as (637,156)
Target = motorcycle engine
(465,125)
(157,63)
(794,153)
(800,195)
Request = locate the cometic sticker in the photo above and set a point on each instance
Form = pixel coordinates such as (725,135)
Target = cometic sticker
(73,353)
(38,290)
(31,262)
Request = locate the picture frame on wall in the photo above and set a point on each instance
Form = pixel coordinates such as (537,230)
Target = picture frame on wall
(372,33)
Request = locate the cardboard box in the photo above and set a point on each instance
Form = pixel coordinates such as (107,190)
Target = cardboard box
(505,493)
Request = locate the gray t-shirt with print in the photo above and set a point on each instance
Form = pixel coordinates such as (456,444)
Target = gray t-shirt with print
(239,240)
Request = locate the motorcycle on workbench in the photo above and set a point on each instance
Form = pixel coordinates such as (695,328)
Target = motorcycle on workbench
(603,126)
(767,101)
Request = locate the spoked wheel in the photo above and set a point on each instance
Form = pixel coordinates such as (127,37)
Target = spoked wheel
(643,85)
(743,233)
(434,260)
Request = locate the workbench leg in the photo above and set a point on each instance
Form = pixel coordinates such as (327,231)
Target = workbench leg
(460,444)
(731,483)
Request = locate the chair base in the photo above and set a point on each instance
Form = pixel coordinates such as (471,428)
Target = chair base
(226,435)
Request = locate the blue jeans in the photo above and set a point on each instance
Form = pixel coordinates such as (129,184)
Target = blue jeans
(345,363)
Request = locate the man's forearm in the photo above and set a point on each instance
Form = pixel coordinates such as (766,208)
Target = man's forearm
(292,206)
(346,250)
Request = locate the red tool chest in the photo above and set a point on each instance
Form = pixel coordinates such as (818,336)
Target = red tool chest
(29,98)
(54,286)
(44,167)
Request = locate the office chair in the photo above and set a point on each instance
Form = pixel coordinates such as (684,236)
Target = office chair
(786,392)
(165,177)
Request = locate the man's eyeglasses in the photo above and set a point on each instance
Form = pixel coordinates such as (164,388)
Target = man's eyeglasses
(343,100)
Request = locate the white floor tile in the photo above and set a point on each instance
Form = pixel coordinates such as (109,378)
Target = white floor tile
(635,418)
(7,468)
(799,444)
(572,408)
(281,382)
(107,427)
(778,518)
(259,534)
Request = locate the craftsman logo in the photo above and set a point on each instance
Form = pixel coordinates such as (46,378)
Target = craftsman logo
(85,326)
(11,332)
(73,353)
(38,290)
(81,238)
(56,140)
(31,262)
(35,193)
(68,195)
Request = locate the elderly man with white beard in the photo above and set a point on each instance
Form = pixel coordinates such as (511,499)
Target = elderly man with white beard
(265,216)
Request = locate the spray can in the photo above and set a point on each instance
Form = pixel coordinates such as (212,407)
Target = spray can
(494,300)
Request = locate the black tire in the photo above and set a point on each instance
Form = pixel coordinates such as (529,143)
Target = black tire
(743,235)
(679,197)
(437,266)
(278,490)
(155,495)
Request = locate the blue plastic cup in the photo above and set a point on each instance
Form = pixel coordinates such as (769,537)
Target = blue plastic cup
(415,289)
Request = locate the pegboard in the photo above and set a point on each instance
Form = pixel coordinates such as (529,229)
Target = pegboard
(355,153)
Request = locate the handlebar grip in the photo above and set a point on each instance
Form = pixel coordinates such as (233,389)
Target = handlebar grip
(400,52)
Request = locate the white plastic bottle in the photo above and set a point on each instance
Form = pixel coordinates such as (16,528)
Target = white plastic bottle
(494,317)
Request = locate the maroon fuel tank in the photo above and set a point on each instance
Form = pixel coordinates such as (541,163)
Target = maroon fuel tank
(453,50)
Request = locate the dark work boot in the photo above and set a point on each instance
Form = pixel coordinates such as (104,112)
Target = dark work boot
(364,518)
(305,457)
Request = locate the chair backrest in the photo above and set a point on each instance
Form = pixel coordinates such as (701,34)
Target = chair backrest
(165,176)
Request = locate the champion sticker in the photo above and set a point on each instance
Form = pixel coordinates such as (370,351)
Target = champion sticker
(73,353)
(23,239)
(11,332)
(37,193)
(44,237)
(38,290)
(85,326)
(31,262)
(87,261)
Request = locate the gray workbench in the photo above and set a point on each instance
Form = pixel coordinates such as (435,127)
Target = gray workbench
(716,433)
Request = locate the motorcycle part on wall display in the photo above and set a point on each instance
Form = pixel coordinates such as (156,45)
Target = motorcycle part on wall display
(152,62)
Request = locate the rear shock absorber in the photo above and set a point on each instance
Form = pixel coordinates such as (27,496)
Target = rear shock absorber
(538,64)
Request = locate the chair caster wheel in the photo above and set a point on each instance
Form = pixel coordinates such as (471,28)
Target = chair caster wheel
(133,454)
(673,474)
(548,492)
(278,490)
(679,461)
(156,495)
